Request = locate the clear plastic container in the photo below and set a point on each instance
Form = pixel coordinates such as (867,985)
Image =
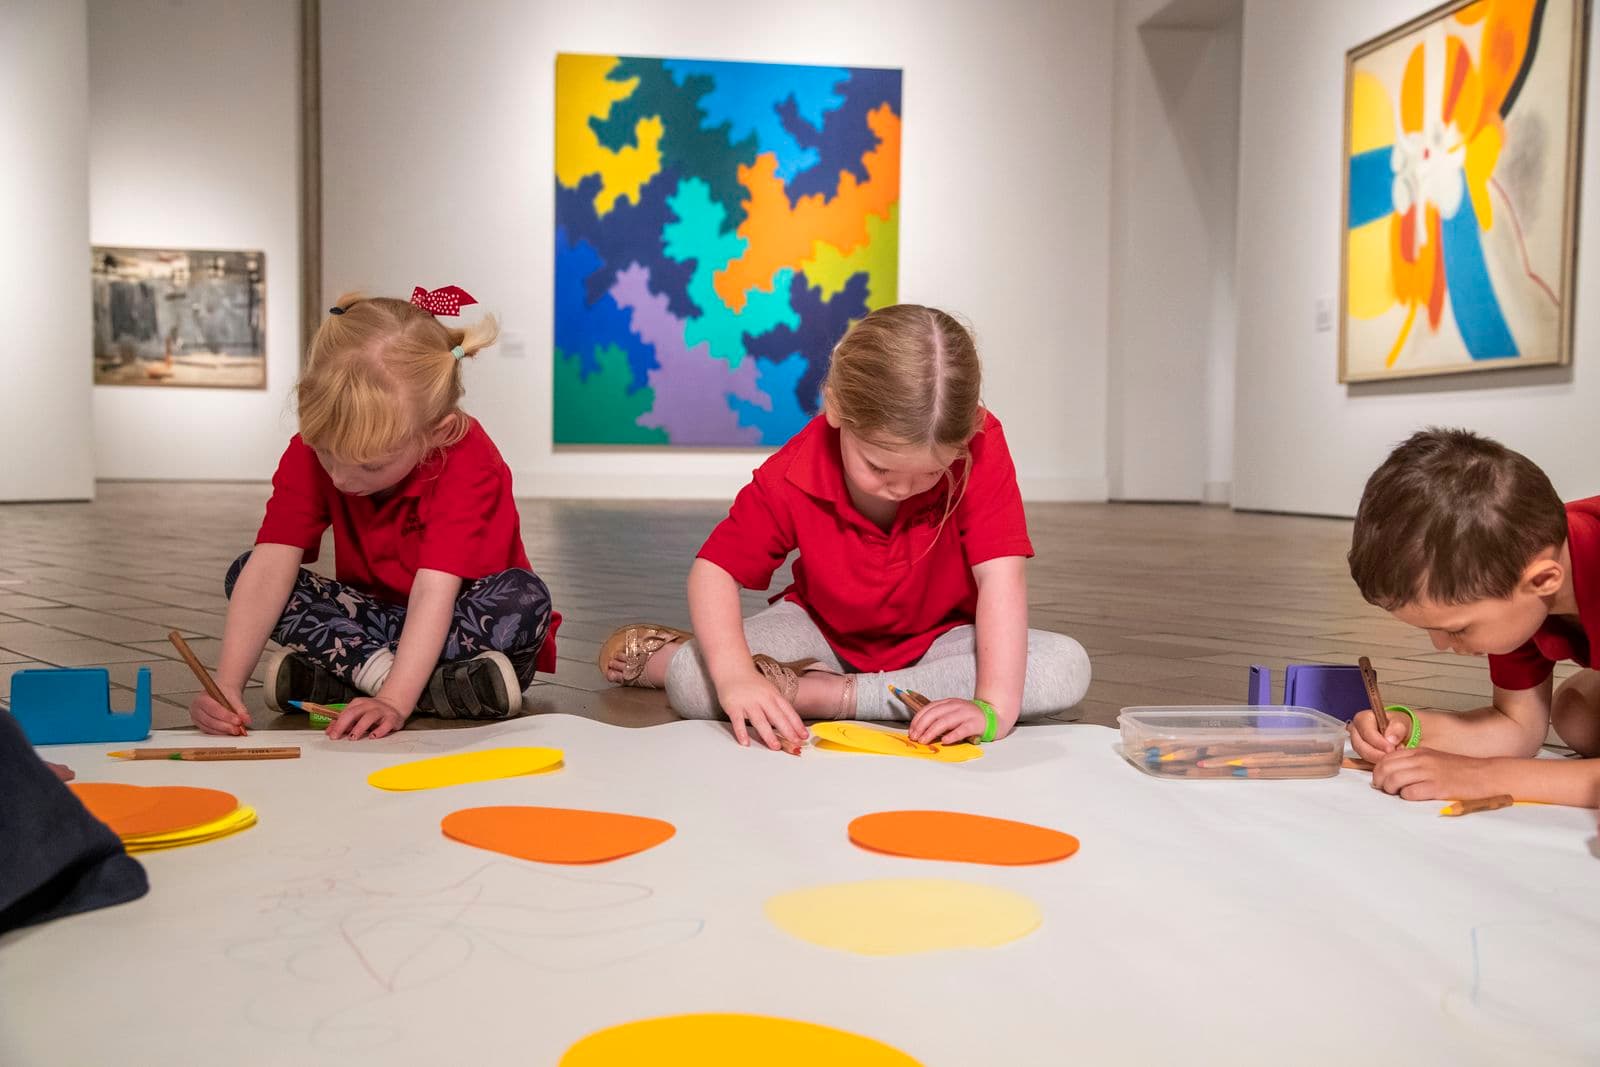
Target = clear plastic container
(1232,742)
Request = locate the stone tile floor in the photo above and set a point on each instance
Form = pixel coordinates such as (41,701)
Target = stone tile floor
(1173,602)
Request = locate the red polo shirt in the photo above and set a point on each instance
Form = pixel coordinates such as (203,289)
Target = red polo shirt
(1558,639)
(880,598)
(453,513)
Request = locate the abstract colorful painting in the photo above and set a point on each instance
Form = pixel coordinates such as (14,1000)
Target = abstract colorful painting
(718,228)
(1461,178)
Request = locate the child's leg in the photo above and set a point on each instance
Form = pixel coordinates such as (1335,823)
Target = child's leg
(1575,713)
(507,612)
(783,631)
(1056,678)
(332,626)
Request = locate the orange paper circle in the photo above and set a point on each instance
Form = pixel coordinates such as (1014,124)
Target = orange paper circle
(153,809)
(958,836)
(729,1041)
(556,835)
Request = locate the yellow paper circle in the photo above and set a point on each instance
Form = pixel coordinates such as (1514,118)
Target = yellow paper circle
(729,1041)
(904,916)
(466,767)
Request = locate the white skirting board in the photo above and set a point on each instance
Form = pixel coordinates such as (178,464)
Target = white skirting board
(1201,922)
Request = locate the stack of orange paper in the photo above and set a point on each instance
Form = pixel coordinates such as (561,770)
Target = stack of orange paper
(148,817)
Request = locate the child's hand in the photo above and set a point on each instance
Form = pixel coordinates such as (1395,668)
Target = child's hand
(1427,774)
(61,771)
(367,717)
(214,718)
(1371,745)
(948,722)
(753,698)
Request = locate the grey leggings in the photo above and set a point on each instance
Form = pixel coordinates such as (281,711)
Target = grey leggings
(1056,679)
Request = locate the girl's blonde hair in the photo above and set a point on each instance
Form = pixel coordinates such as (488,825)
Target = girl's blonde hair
(381,375)
(907,374)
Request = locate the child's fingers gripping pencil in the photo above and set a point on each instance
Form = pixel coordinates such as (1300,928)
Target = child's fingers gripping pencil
(213,690)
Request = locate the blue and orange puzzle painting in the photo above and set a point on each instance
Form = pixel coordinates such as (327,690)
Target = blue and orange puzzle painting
(718,227)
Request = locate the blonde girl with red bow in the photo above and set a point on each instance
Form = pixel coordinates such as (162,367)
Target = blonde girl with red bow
(433,607)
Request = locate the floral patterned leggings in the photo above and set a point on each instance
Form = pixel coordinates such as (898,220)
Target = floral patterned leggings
(337,627)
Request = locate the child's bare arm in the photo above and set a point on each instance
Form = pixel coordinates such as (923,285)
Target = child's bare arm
(741,690)
(1002,647)
(1423,774)
(429,610)
(1515,725)
(259,596)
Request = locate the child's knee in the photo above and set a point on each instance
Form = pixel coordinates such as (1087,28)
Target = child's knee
(1063,665)
(1575,712)
(688,685)
(233,574)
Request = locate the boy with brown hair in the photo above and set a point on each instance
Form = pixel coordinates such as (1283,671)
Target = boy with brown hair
(1462,537)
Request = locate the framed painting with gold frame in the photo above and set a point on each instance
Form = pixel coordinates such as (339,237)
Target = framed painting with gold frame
(1458,226)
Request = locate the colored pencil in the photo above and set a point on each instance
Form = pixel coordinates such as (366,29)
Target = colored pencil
(1369,678)
(1352,764)
(910,698)
(1270,759)
(213,690)
(1468,807)
(791,747)
(203,754)
(325,710)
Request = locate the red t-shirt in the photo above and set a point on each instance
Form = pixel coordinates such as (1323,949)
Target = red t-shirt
(453,513)
(880,598)
(1558,639)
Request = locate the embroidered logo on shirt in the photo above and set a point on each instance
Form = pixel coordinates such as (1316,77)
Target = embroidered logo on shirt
(413,524)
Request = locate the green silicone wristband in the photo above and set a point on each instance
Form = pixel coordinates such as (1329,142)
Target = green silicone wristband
(1416,724)
(991,722)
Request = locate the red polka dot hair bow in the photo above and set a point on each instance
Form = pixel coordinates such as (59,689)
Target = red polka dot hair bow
(445,301)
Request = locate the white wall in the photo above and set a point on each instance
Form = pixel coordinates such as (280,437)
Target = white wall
(44,254)
(1173,194)
(438,157)
(194,142)
(1306,443)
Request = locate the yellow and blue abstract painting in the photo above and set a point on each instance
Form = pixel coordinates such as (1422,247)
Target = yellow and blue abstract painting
(1460,190)
(719,226)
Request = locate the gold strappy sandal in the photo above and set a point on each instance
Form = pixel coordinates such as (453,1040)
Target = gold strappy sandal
(634,645)
(785,677)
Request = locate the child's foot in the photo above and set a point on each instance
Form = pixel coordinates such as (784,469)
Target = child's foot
(639,655)
(288,676)
(483,687)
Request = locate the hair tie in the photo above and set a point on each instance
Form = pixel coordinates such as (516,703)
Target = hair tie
(445,301)
(458,352)
(336,310)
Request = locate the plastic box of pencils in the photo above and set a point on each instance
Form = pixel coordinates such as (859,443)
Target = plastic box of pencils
(1232,742)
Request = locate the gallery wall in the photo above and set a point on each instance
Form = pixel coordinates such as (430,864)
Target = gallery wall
(194,142)
(44,258)
(1173,202)
(1304,442)
(437,164)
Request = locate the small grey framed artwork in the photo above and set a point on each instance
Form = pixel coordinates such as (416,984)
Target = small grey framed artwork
(179,317)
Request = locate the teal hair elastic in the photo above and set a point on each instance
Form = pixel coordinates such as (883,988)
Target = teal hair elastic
(458,352)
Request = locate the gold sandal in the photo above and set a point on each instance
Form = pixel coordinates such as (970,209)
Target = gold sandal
(785,677)
(634,645)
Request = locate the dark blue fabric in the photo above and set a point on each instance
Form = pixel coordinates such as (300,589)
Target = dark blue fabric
(55,858)
(337,626)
